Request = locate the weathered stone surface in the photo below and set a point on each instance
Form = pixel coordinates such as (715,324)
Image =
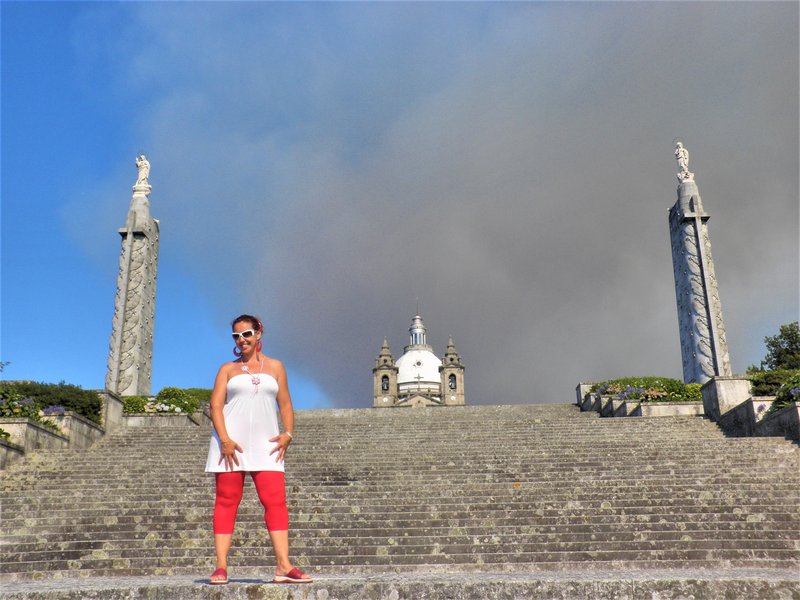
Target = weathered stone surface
(9,453)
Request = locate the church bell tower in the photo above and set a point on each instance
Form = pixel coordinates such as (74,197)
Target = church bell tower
(384,378)
(452,371)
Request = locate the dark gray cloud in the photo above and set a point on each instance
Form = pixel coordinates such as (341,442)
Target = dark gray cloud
(509,165)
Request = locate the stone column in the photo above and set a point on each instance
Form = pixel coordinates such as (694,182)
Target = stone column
(702,333)
(130,353)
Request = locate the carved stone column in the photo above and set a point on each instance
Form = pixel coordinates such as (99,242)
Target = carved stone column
(702,333)
(130,355)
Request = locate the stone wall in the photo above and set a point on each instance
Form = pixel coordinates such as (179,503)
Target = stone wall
(81,432)
(784,422)
(30,435)
(163,420)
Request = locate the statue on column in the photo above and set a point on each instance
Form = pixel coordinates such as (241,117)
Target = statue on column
(682,156)
(144,170)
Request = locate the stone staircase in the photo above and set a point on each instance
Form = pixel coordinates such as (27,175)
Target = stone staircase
(510,493)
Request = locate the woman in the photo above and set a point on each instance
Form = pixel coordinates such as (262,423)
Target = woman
(247,439)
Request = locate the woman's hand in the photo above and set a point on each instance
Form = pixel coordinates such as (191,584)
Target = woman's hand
(228,449)
(282,443)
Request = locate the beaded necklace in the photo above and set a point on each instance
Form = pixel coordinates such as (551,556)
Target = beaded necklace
(255,379)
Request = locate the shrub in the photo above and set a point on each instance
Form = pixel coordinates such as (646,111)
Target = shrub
(84,402)
(134,404)
(767,383)
(649,389)
(12,404)
(202,395)
(789,392)
(4,435)
(177,398)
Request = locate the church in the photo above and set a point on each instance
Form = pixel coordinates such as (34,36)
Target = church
(418,377)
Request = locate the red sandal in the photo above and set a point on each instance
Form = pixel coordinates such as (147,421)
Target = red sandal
(221,575)
(293,576)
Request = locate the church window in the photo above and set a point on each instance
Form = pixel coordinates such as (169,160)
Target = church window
(452,381)
(385,383)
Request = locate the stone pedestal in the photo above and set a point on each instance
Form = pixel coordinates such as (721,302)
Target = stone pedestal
(580,392)
(723,394)
(704,348)
(112,411)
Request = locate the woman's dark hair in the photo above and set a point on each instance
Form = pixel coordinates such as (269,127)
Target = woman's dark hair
(254,321)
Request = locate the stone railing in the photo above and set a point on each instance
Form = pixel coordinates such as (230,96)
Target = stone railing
(727,401)
(30,435)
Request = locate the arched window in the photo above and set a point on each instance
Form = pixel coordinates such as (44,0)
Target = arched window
(385,383)
(452,381)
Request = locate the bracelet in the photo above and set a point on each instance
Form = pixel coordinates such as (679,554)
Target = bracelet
(289,433)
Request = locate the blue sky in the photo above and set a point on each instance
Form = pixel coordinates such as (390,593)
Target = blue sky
(324,165)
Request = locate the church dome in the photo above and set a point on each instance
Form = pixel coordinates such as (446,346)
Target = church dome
(418,367)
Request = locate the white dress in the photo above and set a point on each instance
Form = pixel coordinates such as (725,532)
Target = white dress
(251,420)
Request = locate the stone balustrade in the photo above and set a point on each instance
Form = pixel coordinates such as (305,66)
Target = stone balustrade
(728,401)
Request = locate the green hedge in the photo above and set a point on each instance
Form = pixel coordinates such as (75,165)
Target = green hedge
(649,389)
(767,383)
(63,395)
(134,404)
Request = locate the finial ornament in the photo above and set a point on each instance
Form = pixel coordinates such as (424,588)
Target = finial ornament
(144,171)
(682,156)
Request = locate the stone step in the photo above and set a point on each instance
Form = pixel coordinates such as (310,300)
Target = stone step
(305,501)
(555,489)
(100,533)
(767,522)
(486,471)
(325,553)
(312,464)
(555,585)
(376,537)
(641,512)
(103,560)
(158,563)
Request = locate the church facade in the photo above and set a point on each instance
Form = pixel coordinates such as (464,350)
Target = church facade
(418,377)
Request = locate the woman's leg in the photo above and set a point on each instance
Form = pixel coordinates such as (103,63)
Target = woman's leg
(230,486)
(272,493)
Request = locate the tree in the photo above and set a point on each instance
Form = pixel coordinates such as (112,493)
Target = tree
(783,349)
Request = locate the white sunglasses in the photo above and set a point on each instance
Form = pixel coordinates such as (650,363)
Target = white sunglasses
(246,334)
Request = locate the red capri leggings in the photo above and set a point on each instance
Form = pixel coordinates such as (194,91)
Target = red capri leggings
(271,492)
